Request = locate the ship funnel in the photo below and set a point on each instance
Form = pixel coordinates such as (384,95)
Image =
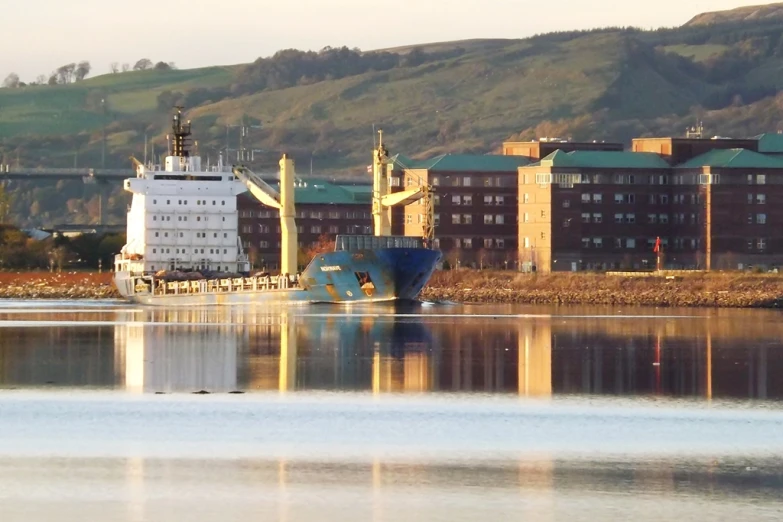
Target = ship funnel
(288,238)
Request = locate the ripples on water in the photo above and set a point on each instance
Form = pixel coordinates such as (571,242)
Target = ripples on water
(427,413)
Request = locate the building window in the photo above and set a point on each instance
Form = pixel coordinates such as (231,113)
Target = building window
(585,217)
(456,200)
(630,243)
(500,200)
(487,243)
(598,198)
(630,219)
(456,219)
(526,218)
(761,179)
(466,200)
(334,229)
(618,242)
(566,223)
(467,219)
(761,219)
(618,219)
(619,198)
(598,218)
(526,242)
(488,219)
(585,242)
(543,179)
(157,234)
(466,181)
(436,219)
(652,219)
(585,198)
(487,200)
(526,198)
(154,250)
(315,229)
(408,219)
(761,244)
(761,199)
(663,219)
(499,219)
(598,242)
(566,203)
(467,242)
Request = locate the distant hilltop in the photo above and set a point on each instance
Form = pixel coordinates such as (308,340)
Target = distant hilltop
(741,14)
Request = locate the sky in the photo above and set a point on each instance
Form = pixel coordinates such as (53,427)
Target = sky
(41,35)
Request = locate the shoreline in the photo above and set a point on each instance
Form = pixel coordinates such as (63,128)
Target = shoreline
(692,290)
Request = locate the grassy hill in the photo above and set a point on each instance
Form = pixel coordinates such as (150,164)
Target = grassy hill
(613,84)
(741,14)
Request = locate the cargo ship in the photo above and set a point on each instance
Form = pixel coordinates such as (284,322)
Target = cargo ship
(183,247)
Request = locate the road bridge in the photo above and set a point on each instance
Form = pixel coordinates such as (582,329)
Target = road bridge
(87,175)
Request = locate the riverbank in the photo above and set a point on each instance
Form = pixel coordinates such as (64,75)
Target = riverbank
(65,285)
(724,290)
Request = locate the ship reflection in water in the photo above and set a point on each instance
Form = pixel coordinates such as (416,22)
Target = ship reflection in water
(718,354)
(444,413)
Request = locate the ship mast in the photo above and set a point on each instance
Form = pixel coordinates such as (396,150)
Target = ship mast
(181,132)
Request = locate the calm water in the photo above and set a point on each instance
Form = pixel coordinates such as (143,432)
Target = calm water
(114,412)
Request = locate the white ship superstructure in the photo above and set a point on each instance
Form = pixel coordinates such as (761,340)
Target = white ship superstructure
(182,217)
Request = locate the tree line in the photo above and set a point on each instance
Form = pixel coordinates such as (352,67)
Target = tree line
(19,251)
(292,67)
(78,71)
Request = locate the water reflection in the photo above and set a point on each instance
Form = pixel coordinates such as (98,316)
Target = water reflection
(725,354)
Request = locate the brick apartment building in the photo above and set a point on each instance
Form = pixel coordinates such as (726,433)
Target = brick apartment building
(322,208)
(580,206)
(706,199)
(475,205)
(541,148)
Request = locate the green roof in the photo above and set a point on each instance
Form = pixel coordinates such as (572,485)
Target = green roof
(464,163)
(604,159)
(733,158)
(770,143)
(324,193)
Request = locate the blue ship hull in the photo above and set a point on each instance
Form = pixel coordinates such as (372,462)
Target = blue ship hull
(342,276)
(376,275)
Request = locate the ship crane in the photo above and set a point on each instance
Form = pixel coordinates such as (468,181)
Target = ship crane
(383,200)
(283,201)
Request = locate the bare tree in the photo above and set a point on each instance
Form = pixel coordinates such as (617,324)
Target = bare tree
(125,67)
(143,64)
(11,81)
(114,67)
(82,70)
(52,79)
(40,79)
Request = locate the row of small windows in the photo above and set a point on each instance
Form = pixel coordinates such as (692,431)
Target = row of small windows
(635,179)
(467,219)
(467,242)
(198,234)
(185,202)
(184,251)
(467,199)
(304,214)
(204,267)
(182,218)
